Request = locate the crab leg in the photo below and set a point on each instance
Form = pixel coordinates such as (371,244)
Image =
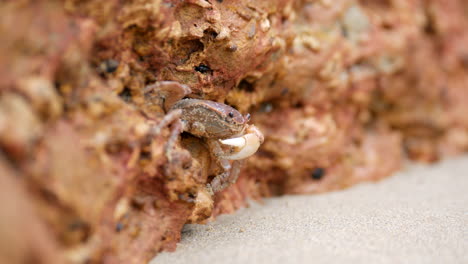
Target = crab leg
(226,179)
(173,118)
(168,119)
(220,181)
(176,129)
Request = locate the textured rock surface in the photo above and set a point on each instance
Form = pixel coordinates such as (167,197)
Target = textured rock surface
(341,89)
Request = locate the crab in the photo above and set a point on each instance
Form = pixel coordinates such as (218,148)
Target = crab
(226,132)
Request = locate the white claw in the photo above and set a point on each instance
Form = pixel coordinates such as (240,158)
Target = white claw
(247,145)
(239,142)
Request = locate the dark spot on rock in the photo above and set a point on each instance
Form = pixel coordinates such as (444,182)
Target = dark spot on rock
(126,94)
(219,1)
(81,230)
(111,65)
(430,26)
(285,91)
(246,86)
(185,48)
(137,202)
(57,84)
(119,227)
(47,195)
(210,33)
(203,68)
(464,60)
(273,82)
(145,155)
(317,173)
(284,19)
(298,105)
(76,225)
(189,198)
(187,165)
(387,26)
(344,31)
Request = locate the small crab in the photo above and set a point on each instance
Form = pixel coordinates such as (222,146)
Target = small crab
(225,131)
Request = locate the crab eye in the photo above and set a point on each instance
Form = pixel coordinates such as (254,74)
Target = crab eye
(231,114)
(247,117)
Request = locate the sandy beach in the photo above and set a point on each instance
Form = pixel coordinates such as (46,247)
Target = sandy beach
(419,215)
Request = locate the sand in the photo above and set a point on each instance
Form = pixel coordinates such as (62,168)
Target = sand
(417,216)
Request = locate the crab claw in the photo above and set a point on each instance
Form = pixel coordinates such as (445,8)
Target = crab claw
(246,145)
